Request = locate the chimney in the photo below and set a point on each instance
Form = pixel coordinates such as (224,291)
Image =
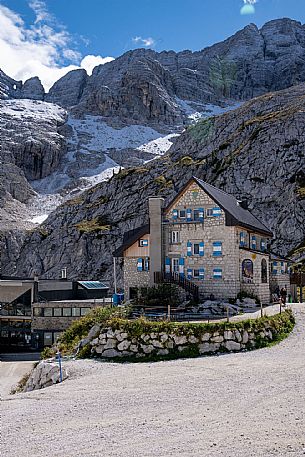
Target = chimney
(64,273)
(155,218)
(244,203)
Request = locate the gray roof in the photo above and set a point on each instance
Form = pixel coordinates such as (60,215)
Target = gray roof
(235,214)
(131,237)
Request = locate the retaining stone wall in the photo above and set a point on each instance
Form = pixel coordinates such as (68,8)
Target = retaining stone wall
(111,343)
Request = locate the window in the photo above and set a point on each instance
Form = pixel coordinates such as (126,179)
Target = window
(143,243)
(56,335)
(143,264)
(263,245)
(196,215)
(209,212)
(247,271)
(274,268)
(84,311)
(47,312)
(175,237)
(217,273)
(47,338)
(283,268)
(182,214)
(146,264)
(175,265)
(264,271)
(242,239)
(196,248)
(217,249)
(253,242)
(66,312)
(196,274)
(75,312)
(38,312)
(216,211)
(57,312)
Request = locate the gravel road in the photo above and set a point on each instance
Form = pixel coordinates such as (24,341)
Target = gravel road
(244,404)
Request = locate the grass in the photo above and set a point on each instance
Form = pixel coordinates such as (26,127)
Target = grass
(94,225)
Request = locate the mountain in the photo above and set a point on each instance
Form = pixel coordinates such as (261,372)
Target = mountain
(55,147)
(255,151)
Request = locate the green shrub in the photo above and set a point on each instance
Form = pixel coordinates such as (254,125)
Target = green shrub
(94,225)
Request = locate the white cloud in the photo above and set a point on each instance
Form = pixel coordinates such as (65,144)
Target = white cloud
(89,62)
(146,42)
(41,49)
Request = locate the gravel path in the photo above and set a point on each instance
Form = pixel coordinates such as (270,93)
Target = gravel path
(245,404)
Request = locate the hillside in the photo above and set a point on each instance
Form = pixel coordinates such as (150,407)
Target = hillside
(255,151)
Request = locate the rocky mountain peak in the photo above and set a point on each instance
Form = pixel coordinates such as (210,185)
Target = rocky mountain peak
(67,91)
(33,89)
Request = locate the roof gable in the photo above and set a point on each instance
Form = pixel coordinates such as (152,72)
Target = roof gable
(130,238)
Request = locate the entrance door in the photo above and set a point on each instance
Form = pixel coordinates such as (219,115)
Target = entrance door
(175,265)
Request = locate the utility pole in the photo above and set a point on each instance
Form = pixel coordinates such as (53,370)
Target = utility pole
(114,275)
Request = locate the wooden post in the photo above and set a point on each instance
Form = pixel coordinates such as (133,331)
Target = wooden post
(169,312)
(261,309)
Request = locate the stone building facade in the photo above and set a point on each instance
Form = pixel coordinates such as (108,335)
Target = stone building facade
(208,238)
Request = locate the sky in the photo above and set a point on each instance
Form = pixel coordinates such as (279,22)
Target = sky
(48,38)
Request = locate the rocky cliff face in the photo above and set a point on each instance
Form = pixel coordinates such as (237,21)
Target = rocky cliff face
(146,86)
(255,151)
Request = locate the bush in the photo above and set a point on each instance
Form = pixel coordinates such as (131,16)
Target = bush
(161,295)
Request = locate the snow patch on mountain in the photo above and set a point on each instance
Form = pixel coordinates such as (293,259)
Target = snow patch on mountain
(196,110)
(32,110)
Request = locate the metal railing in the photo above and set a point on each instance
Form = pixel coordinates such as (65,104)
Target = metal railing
(179,280)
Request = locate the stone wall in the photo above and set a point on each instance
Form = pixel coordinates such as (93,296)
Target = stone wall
(133,277)
(182,340)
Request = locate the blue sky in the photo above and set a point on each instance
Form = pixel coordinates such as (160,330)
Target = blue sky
(107,28)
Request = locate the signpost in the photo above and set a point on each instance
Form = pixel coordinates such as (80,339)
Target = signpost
(58,355)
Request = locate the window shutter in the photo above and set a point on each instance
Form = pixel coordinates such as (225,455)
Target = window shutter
(140,264)
(242,239)
(201,214)
(282,268)
(201,273)
(216,211)
(201,249)
(146,264)
(189,273)
(263,244)
(167,265)
(175,214)
(189,214)
(217,248)
(181,266)
(253,242)
(189,248)
(217,273)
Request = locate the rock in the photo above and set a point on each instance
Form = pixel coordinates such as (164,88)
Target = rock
(217,339)
(245,337)
(163,352)
(33,89)
(238,336)
(157,344)
(232,345)
(147,349)
(99,349)
(121,336)
(169,344)
(110,333)
(228,335)
(163,337)
(94,332)
(110,353)
(205,337)
(133,348)
(95,342)
(179,339)
(192,339)
(123,345)
(111,343)
(67,91)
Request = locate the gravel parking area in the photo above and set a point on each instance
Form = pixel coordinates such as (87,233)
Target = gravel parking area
(243,404)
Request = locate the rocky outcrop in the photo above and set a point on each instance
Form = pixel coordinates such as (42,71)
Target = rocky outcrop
(256,151)
(67,91)
(33,89)
(45,374)
(9,88)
